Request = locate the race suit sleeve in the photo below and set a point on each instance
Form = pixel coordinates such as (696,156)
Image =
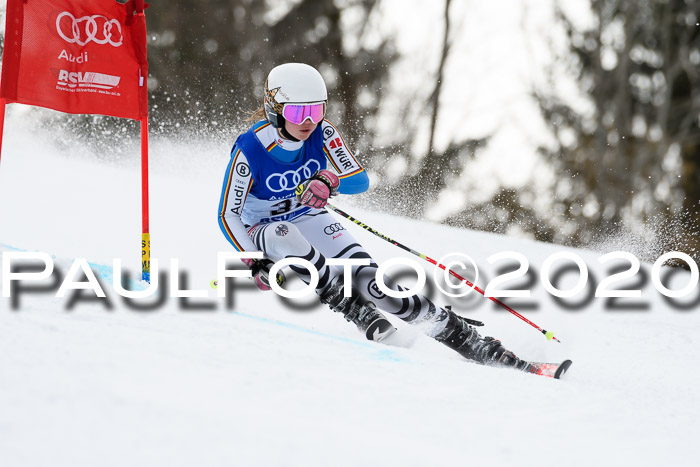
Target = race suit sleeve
(353,178)
(234,192)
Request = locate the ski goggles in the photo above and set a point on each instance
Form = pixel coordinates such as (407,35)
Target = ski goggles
(299,113)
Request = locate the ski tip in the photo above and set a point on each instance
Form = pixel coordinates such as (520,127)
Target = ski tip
(379,329)
(563,367)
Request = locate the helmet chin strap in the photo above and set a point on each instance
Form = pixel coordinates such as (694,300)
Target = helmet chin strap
(285,134)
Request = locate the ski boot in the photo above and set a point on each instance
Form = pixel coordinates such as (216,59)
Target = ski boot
(357,310)
(466,341)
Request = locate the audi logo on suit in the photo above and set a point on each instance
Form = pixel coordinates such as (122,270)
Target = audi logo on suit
(333,228)
(290,179)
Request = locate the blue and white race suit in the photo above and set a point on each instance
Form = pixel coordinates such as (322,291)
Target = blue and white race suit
(258,210)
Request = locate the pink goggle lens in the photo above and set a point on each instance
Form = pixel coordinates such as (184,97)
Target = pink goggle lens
(298,113)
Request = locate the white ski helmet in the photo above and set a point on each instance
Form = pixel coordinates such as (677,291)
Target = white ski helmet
(292,83)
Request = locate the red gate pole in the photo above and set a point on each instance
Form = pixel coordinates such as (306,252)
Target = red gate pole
(139,6)
(3,103)
(146,235)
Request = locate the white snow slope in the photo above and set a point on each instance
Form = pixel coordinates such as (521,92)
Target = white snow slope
(264,382)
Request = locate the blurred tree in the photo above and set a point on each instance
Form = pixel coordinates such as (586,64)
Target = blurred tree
(431,171)
(204,57)
(209,59)
(628,146)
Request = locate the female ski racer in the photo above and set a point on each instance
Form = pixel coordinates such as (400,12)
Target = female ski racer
(293,148)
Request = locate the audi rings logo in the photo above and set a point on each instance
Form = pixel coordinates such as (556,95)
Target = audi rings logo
(333,228)
(95,28)
(290,179)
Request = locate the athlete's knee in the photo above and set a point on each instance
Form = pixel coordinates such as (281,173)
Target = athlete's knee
(282,239)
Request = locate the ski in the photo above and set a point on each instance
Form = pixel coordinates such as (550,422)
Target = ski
(550,370)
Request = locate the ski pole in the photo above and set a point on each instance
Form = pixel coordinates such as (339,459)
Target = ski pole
(548,334)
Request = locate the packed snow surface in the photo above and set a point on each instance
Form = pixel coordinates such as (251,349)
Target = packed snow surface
(260,380)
